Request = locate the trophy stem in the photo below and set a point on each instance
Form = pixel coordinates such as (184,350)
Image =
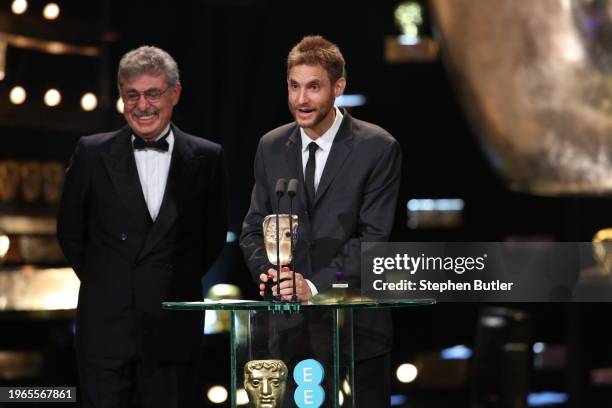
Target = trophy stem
(294,297)
(278,296)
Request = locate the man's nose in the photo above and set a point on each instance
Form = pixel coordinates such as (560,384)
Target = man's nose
(265,390)
(142,104)
(303,97)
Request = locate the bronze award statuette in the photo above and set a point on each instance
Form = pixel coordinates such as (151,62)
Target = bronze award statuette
(264,382)
(31,181)
(9,180)
(602,248)
(286,241)
(52,177)
(269,232)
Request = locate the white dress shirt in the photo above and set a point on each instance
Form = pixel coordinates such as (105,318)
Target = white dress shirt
(324,142)
(153,166)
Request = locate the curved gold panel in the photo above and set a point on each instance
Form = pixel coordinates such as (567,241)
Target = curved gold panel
(535,79)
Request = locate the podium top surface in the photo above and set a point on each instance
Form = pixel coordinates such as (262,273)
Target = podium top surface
(326,303)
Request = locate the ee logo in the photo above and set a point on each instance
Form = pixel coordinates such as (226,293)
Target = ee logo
(308,375)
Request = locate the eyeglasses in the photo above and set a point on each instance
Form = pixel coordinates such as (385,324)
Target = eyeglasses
(151,95)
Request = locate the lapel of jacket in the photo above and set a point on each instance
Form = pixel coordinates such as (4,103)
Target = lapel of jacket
(121,167)
(183,166)
(293,156)
(340,150)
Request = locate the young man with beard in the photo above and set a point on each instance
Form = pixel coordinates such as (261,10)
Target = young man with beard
(141,220)
(349,172)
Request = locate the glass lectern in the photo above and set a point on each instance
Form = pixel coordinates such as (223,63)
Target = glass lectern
(294,355)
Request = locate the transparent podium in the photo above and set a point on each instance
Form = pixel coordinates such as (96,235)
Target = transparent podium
(294,355)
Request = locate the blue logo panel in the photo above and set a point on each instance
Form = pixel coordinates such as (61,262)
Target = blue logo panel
(308,375)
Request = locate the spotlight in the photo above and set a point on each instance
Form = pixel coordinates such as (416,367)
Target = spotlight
(52,97)
(406,373)
(5,244)
(19,6)
(217,394)
(51,11)
(119,105)
(89,102)
(18,95)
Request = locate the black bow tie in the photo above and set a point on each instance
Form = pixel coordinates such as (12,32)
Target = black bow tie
(160,144)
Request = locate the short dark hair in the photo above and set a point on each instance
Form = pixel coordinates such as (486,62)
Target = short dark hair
(313,50)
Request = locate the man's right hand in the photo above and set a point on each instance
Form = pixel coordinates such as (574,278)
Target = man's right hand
(302,288)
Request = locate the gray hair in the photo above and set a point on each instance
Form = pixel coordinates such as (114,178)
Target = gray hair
(147,60)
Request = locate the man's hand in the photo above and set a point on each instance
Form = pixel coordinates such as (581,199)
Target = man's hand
(302,289)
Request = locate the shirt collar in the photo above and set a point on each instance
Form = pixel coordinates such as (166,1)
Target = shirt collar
(326,139)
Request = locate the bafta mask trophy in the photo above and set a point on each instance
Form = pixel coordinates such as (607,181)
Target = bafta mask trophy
(279,231)
(264,382)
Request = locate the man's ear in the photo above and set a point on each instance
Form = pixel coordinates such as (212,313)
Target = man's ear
(339,86)
(176,93)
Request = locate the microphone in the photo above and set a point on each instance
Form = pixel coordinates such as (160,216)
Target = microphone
(281,187)
(291,191)
(292,187)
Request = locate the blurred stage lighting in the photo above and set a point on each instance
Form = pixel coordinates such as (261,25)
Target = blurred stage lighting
(89,102)
(406,373)
(19,6)
(217,394)
(350,101)
(434,212)
(51,11)
(119,105)
(398,399)
(5,244)
(53,97)
(546,398)
(459,352)
(346,387)
(18,95)
(538,347)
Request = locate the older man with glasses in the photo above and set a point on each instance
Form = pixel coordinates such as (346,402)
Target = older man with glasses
(142,218)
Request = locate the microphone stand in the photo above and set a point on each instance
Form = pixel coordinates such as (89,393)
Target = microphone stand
(281,186)
(291,191)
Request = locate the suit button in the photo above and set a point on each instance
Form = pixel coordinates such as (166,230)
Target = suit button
(123,237)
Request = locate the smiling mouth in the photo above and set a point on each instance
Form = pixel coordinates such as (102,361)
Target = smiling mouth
(146,117)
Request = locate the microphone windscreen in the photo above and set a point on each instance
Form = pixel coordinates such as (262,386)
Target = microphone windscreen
(281,186)
(292,187)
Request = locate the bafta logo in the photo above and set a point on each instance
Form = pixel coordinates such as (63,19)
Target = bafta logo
(264,382)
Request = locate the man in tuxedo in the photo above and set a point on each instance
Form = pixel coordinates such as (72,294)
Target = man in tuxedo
(142,218)
(350,173)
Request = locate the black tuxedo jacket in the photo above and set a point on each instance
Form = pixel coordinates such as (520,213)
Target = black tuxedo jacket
(354,202)
(128,266)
